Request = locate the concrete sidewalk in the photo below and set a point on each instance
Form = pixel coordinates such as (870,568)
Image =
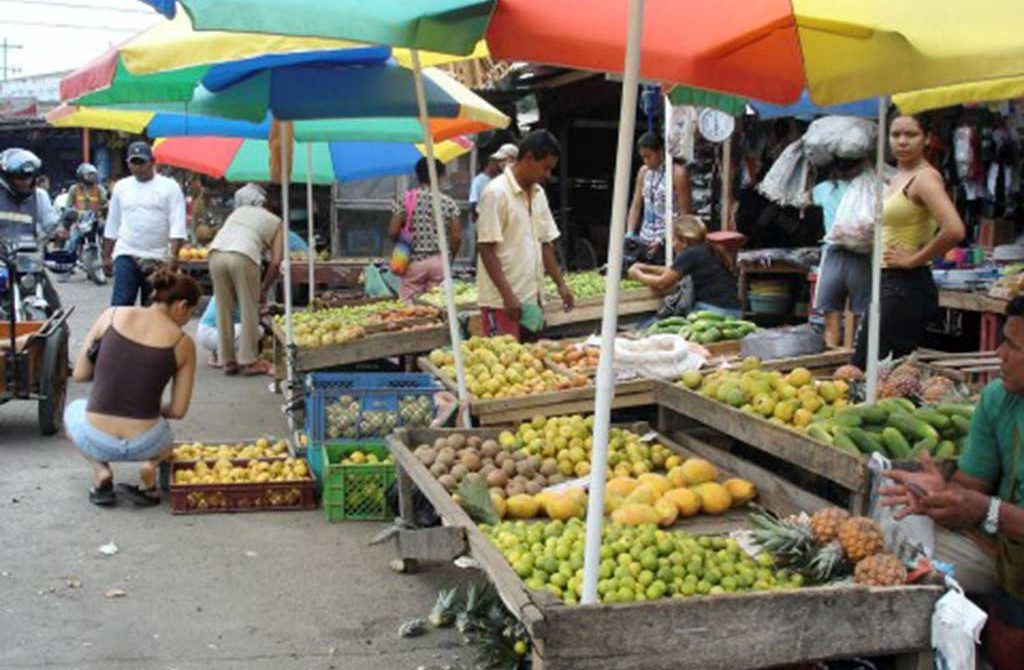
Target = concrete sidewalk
(254,591)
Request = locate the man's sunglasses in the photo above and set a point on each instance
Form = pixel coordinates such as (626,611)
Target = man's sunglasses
(138,161)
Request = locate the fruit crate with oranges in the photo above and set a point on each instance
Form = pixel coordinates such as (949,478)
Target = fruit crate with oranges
(256,485)
(356,478)
(738,630)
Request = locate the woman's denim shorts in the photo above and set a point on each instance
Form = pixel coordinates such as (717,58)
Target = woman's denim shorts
(101,446)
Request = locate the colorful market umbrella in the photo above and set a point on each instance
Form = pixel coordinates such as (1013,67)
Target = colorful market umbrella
(238,159)
(960,94)
(771,50)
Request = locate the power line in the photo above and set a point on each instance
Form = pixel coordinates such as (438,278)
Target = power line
(44,24)
(75,5)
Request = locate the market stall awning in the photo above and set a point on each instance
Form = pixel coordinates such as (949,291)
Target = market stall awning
(960,94)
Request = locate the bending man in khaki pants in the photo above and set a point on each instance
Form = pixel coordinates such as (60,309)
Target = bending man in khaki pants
(236,252)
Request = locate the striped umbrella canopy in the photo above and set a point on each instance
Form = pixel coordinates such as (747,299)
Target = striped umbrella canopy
(172,68)
(176,124)
(239,159)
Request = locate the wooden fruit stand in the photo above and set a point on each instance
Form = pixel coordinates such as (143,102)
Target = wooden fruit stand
(586,315)
(728,631)
(507,411)
(849,471)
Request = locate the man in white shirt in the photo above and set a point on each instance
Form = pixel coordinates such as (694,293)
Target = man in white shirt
(515,233)
(146,215)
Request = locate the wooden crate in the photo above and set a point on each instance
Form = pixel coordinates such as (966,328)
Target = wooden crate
(28,347)
(508,411)
(847,470)
(586,311)
(384,344)
(724,632)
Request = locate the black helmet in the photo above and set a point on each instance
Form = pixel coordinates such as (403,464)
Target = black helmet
(87,173)
(17,162)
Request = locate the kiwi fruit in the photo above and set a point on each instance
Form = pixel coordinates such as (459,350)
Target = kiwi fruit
(457,441)
(487,468)
(438,469)
(548,467)
(514,489)
(474,441)
(533,488)
(440,443)
(427,456)
(497,479)
(458,471)
(525,468)
(501,457)
(509,467)
(490,448)
(448,482)
(556,478)
(446,455)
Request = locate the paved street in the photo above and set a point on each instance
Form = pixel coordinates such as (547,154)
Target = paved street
(253,591)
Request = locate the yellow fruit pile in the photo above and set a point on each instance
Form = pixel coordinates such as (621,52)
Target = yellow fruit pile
(193,254)
(686,490)
(223,471)
(500,367)
(261,448)
(792,399)
(359,458)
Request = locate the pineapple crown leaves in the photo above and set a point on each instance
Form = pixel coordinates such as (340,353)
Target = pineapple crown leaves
(442,614)
(476,500)
(827,564)
(781,537)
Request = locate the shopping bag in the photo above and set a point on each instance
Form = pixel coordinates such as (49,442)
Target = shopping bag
(854,225)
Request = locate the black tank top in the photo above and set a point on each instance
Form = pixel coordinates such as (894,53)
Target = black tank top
(129,377)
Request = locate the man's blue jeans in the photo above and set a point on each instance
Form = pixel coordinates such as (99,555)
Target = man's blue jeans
(129,282)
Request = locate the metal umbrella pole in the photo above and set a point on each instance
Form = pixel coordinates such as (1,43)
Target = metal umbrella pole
(609,320)
(442,243)
(311,253)
(874,311)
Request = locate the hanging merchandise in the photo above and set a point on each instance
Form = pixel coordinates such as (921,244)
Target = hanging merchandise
(681,133)
(968,167)
(786,181)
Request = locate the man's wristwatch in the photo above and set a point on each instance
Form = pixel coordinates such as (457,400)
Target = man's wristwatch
(991,523)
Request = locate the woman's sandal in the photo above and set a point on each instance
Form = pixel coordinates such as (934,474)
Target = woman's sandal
(140,497)
(103,495)
(256,369)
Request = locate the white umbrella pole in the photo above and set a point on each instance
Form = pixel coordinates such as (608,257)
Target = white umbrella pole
(442,242)
(669,168)
(875,311)
(286,267)
(609,318)
(311,254)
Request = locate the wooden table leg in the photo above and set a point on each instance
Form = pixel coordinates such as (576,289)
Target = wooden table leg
(405,486)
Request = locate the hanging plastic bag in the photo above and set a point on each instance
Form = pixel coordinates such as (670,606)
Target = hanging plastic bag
(854,225)
(907,538)
(786,181)
(956,629)
(833,137)
(378,283)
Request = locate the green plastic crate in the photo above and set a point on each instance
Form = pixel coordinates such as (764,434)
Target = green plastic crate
(356,492)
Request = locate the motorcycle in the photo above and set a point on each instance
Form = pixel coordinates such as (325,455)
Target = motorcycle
(87,231)
(25,291)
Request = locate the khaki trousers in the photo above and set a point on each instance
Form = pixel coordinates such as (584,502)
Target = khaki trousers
(236,282)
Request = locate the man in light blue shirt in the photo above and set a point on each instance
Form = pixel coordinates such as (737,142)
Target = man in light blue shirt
(206,331)
(495,164)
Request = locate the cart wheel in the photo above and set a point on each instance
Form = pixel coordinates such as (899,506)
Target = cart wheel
(53,382)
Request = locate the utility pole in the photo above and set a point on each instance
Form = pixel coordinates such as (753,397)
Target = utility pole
(6,46)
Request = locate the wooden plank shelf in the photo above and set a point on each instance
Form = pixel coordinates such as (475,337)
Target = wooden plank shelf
(730,631)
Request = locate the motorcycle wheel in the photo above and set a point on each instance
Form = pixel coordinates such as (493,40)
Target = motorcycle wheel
(93,267)
(53,382)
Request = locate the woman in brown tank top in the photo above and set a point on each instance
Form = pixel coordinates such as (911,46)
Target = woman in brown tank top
(131,354)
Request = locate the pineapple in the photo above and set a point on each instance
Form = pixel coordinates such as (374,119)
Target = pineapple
(827,563)
(907,369)
(443,613)
(784,538)
(937,388)
(860,537)
(825,524)
(880,570)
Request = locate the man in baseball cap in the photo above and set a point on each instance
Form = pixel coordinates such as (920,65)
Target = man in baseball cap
(506,154)
(146,215)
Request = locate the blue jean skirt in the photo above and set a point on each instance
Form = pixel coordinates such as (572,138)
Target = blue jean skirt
(104,447)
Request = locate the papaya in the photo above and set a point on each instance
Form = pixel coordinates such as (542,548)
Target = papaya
(912,426)
(895,444)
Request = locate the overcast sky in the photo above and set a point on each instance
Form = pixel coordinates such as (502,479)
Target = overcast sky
(64,34)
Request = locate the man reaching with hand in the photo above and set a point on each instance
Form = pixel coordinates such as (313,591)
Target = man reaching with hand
(515,232)
(984,496)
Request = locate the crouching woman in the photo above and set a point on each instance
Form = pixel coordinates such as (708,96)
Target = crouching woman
(130,354)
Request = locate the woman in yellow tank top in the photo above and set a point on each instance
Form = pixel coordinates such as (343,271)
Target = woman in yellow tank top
(919,224)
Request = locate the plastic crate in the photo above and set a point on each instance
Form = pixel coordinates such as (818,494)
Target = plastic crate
(249,497)
(376,399)
(356,492)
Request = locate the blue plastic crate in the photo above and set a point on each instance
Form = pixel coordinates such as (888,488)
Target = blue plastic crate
(375,403)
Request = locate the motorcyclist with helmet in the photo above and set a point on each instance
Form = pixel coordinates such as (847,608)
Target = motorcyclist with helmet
(27,217)
(85,195)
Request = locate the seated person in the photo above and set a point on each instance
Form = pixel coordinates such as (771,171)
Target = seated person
(709,268)
(984,494)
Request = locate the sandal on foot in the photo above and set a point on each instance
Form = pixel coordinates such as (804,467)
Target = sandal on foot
(140,497)
(255,369)
(103,495)
(231,369)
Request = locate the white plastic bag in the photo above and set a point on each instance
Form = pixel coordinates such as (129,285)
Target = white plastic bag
(832,137)
(785,183)
(854,225)
(956,629)
(657,356)
(907,538)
